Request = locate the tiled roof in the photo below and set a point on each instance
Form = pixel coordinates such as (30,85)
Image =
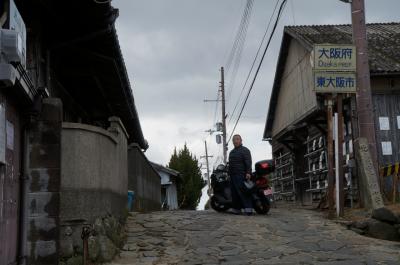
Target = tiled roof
(383,41)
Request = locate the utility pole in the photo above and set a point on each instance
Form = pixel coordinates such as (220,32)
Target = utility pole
(225,145)
(365,113)
(222,90)
(364,108)
(208,166)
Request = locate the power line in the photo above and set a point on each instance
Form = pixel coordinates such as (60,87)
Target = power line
(292,9)
(259,65)
(232,35)
(254,61)
(235,42)
(236,49)
(239,34)
(237,57)
(239,52)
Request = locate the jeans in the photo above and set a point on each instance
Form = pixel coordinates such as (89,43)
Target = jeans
(240,200)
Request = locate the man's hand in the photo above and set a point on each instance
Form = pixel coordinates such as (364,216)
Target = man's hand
(248,176)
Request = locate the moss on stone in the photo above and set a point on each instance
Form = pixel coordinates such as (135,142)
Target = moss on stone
(107,238)
(76,260)
(94,248)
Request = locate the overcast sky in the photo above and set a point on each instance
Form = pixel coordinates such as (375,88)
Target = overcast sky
(173,50)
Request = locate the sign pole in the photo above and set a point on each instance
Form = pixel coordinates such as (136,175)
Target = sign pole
(337,176)
(334,69)
(340,155)
(331,176)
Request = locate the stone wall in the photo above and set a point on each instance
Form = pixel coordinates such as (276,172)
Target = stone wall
(144,181)
(94,179)
(43,161)
(369,186)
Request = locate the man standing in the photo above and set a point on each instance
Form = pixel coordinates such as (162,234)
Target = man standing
(240,171)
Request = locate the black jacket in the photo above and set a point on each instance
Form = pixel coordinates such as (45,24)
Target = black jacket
(240,161)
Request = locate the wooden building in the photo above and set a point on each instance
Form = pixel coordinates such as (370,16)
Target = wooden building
(296,124)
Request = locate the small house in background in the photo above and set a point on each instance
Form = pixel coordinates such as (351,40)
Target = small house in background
(296,124)
(169,194)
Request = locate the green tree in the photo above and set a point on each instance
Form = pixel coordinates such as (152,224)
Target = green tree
(191,183)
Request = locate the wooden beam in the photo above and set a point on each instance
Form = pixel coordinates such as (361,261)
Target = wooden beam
(319,128)
(287,146)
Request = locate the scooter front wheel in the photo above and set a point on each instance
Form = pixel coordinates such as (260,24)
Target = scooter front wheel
(217,206)
(262,207)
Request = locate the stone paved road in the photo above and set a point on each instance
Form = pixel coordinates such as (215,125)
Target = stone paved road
(283,237)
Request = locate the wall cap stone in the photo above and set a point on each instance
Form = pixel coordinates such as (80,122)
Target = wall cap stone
(118,121)
(89,128)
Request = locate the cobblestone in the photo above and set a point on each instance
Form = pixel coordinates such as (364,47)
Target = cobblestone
(284,236)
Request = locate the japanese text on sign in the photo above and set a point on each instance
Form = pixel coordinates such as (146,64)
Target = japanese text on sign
(334,57)
(335,53)
(334,82)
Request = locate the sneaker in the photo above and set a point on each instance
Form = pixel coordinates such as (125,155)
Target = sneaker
(248,211)
(234,211)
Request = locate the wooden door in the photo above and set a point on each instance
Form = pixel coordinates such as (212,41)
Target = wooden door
(10,184)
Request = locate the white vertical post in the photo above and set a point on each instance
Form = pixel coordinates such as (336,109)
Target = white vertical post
(336,139)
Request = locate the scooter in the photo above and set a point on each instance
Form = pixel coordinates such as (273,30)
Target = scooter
(257,187)
(262,194)
(221,199)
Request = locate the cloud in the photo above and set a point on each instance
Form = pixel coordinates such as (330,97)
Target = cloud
(173,51)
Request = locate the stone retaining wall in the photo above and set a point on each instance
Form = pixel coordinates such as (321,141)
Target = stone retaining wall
(94,185)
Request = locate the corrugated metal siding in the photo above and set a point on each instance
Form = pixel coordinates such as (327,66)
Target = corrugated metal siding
(388,106)
(296,97)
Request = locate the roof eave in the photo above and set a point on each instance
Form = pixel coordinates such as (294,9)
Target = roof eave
(138,136)
(165,169)
(385,73)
